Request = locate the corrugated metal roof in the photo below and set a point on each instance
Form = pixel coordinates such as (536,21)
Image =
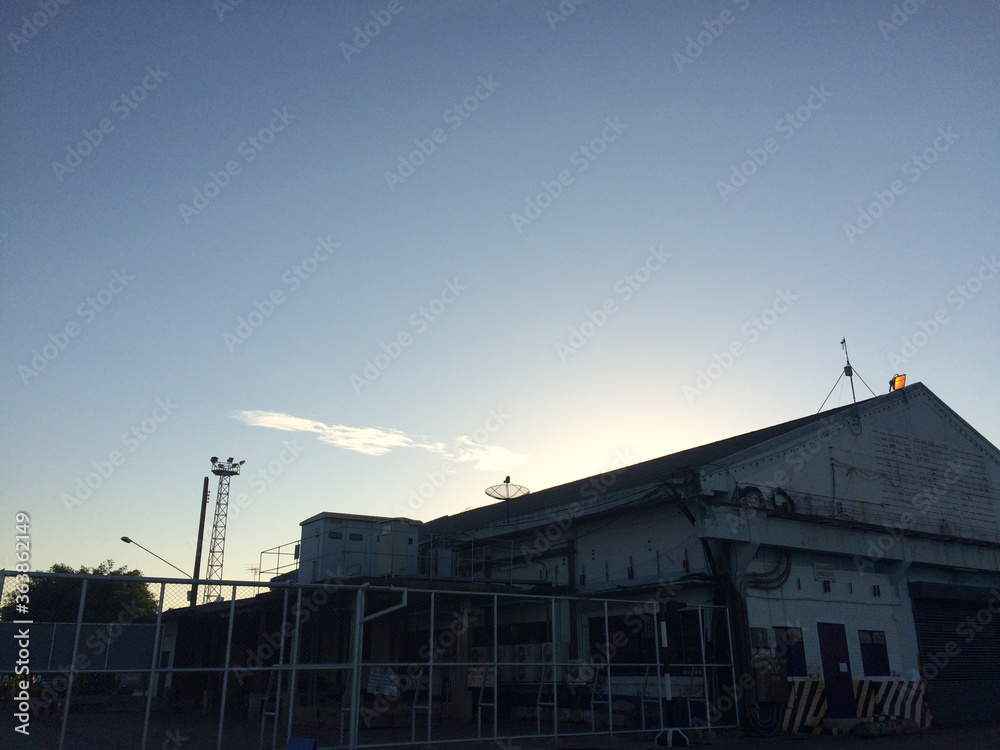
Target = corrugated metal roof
(642,474)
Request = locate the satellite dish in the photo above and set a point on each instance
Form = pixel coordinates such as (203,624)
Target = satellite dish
(506,491)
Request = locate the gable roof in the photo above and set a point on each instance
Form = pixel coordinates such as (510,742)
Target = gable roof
(655,471)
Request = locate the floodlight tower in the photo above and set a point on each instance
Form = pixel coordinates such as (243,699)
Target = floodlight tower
(223,470)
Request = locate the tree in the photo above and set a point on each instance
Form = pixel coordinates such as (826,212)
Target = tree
(58,599)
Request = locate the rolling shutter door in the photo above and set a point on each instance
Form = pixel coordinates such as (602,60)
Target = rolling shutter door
(959,644)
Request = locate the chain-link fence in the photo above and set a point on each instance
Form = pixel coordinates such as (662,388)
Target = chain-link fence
(104,661)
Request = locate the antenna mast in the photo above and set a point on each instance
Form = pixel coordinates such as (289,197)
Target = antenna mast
(849,372)
(224,470)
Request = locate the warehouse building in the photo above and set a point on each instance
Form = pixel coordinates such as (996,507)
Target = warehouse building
(855,553)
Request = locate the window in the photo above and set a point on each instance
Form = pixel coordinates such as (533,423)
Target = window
(336,535)
(874,655)
(355,537)
(788,646)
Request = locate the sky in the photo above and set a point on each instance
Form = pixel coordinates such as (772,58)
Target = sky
(391,252)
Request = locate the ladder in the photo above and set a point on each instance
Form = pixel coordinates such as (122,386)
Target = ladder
(490,684)
(600,695)
(654,699)
(422,684)
(546,699)
(271,705)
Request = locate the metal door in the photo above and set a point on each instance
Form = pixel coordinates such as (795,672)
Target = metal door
(840,702)
(959,645)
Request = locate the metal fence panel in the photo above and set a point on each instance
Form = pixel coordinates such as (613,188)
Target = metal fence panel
(352,665)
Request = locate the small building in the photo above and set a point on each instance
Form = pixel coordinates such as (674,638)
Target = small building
(352,546)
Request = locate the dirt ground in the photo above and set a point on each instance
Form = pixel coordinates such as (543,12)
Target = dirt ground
(104,731)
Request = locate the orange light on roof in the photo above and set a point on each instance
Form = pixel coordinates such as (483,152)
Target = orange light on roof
(897,382)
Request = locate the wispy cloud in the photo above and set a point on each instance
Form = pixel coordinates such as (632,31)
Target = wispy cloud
(377,441)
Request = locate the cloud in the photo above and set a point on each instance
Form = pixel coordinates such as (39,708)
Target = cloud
(485,457)
(377,441)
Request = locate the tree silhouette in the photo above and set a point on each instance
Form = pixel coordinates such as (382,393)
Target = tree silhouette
(58,599)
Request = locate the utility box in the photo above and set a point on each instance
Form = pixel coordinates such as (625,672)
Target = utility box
(772,681)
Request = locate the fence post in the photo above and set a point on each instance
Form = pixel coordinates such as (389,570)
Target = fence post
(72,666)
(294,659)
(152,667)
(225,667)
(359,611)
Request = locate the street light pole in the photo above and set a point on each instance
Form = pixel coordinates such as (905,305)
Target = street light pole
(130,541)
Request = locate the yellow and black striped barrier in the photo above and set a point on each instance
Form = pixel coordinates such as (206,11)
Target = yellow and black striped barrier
(889,699)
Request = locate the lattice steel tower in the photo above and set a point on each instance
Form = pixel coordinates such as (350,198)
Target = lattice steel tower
(223,470)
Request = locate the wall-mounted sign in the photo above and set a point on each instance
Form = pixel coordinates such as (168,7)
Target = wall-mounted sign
(824,571)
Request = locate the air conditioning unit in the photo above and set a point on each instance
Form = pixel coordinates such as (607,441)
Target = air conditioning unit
(481,654)
(548,652)
(530,653)
(527,673)
(507,655)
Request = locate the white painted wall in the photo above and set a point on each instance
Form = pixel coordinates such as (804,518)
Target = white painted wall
(801,603)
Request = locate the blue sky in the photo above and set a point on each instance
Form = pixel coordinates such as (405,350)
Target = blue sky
(391,249)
